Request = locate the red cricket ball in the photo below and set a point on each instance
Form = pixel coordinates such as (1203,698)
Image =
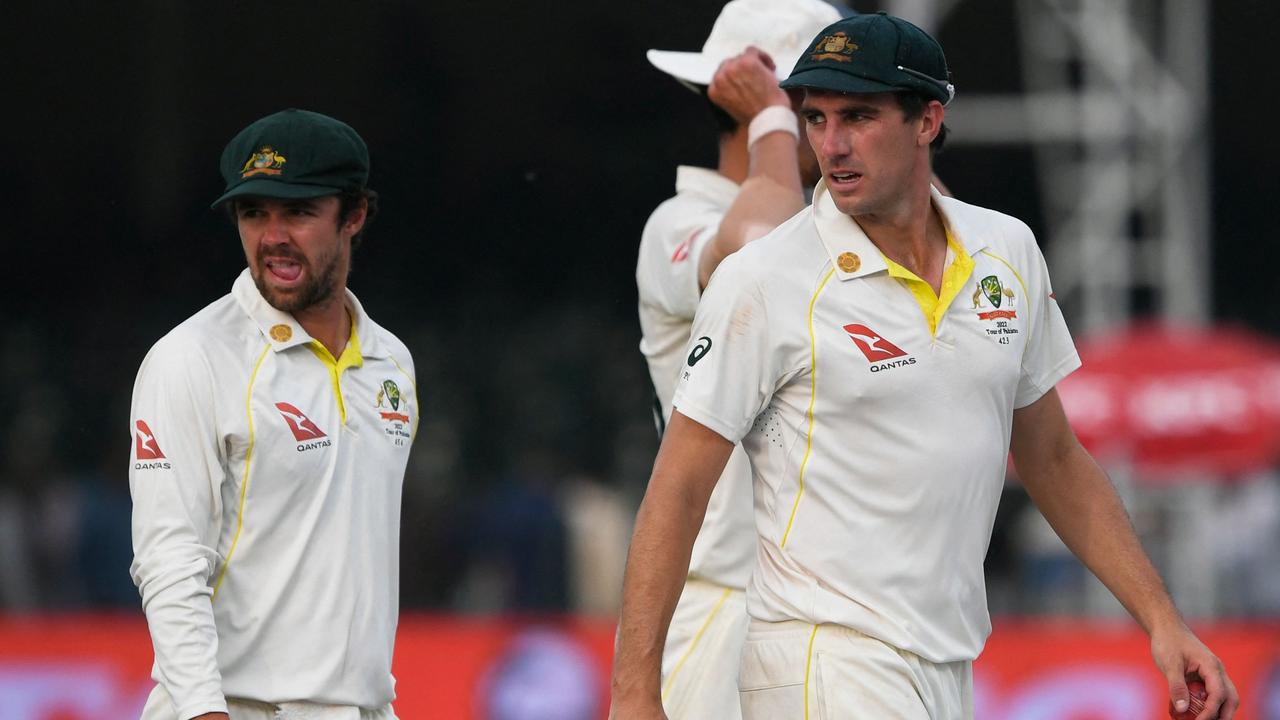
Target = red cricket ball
(1198,696)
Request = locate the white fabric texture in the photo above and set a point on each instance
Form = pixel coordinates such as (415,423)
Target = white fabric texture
(704,645)
(877,473)
(667,282)
(262,492)
(789,670)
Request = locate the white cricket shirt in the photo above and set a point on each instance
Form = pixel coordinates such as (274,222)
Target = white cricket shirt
(878,446)
(667,280)
(266,481)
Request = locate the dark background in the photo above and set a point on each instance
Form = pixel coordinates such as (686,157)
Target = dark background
(518,149)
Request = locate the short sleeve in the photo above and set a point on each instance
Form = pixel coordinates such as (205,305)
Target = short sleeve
(734,364)
(667,270)
(1050,354)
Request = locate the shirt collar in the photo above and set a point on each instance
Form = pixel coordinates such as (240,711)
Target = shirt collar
(854,255)
(281,329)
(707,183)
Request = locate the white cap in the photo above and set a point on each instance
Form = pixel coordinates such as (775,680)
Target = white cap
(781,28)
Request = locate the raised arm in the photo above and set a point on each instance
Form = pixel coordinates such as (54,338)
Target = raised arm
(689,462)
(1077,498)
(746,86)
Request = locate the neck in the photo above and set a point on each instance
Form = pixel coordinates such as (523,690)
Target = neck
(735,159)
(910,233)
(329,322)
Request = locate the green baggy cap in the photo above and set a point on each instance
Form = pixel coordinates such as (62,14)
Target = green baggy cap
(874,53)
(294,154)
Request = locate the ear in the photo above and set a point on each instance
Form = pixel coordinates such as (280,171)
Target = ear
(930,123)
(355,220)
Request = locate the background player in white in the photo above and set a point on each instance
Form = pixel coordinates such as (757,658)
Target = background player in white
(878,414)
(271,432)
(758,183)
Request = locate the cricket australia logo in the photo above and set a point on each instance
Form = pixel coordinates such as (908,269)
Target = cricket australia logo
(994,292)
(877,349)
(397,423)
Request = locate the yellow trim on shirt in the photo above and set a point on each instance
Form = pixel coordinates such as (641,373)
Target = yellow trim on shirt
(351,357)
(244,482)
(953,280)
(1021,284)
(666,690)
(808,660)
(413,422)
(813,394)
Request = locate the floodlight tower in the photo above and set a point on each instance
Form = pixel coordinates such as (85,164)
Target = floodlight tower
(1114,108)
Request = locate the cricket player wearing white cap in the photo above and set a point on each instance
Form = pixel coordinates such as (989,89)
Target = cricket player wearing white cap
(270,436)
(878,356)
(757,184)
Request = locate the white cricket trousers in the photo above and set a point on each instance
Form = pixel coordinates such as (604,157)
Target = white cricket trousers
(798,671)
(160,707)
(703,648)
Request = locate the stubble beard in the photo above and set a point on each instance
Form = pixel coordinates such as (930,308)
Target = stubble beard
(317,289)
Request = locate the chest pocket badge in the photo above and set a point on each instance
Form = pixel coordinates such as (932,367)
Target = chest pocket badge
(995,304)
(395,418)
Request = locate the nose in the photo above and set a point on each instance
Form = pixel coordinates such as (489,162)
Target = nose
(833,145)
(274,229)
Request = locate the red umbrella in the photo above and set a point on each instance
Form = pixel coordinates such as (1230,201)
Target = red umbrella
(1178,400)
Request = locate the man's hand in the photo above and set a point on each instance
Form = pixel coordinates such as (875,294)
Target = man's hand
(1178,652)
(745,84)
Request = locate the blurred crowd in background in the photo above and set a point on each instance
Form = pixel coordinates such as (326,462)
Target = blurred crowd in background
(523,485)
(518,151)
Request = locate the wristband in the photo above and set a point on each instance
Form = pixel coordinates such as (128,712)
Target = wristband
(774,118)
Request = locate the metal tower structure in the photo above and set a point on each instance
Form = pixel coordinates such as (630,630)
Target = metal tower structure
(1114,109)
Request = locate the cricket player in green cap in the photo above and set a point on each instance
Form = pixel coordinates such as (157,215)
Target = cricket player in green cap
(878,356)
(270,436)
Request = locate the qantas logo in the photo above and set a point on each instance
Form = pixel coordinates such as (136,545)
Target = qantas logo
(146,446)
(300,424)
(682,250)
(871,344)
(877,349)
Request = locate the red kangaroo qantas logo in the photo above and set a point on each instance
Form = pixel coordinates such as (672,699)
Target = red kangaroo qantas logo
(871,344)
(146,445)
(300,424)
(682,250)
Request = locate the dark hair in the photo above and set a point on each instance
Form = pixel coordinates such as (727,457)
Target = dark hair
(725,124)
(913,105)
(348,202)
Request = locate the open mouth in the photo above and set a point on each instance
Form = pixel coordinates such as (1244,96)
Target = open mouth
(844,180)
(284,269)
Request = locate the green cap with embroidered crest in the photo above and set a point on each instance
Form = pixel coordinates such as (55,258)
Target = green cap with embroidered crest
(294,154)
(874,53)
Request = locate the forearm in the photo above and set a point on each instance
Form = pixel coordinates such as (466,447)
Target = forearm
(770,195)
(685,472)
(1077,498)
(657,564)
